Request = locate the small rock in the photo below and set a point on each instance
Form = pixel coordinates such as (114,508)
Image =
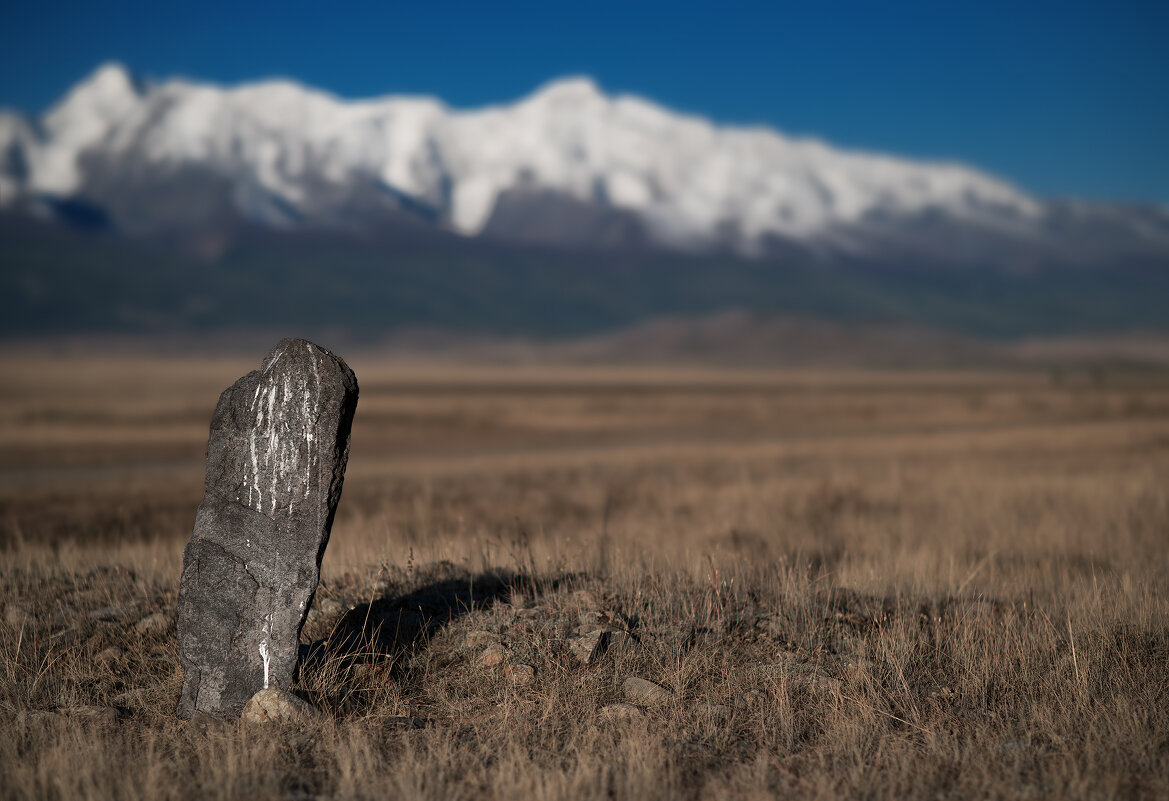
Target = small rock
(495,653)
(479,638)
(17,616)
(590,647)
(643,692)
(622,713)
(110,613)
(272,705)
(109,655)
(153,625)
(520,674)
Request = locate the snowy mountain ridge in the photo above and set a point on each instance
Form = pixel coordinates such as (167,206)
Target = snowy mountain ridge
(179,153)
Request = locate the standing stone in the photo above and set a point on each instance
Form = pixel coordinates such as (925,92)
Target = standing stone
(275,463)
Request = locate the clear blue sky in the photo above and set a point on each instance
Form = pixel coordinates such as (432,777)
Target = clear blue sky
(1063,98)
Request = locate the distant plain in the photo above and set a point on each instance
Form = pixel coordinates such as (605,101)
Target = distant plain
(882,583)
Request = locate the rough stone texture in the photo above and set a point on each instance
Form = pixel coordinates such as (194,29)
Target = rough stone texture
(274,706)
(520,674)
(275,464)
(493,655)
(590,647)
(644,692)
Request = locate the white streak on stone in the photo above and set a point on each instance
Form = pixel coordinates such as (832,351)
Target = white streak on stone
(273,443)
(283,436)
(254,486)
(308,434)
(255,472)
(264,647)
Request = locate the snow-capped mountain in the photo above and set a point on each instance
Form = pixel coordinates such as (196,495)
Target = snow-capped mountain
(568,164)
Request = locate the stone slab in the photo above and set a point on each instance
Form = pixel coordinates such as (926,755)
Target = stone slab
(276,459)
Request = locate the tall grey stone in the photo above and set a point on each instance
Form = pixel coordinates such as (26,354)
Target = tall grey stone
(275,464)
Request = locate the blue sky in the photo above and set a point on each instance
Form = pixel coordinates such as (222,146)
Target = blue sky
(1062,98)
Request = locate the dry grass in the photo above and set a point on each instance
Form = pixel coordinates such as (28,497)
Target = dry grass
(881,585)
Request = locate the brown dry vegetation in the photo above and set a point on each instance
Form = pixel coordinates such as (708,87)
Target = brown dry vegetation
(888,585)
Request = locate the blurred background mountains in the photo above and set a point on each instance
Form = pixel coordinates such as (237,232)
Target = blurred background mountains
(599,225)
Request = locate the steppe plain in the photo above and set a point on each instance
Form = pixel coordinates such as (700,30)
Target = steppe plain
(884,584)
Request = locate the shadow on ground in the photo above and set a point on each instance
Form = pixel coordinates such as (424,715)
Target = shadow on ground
(395,626)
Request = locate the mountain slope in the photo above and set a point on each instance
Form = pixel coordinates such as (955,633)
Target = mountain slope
(567,165)
(329,283)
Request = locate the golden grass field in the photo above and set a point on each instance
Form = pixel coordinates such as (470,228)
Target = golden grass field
(883,585)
